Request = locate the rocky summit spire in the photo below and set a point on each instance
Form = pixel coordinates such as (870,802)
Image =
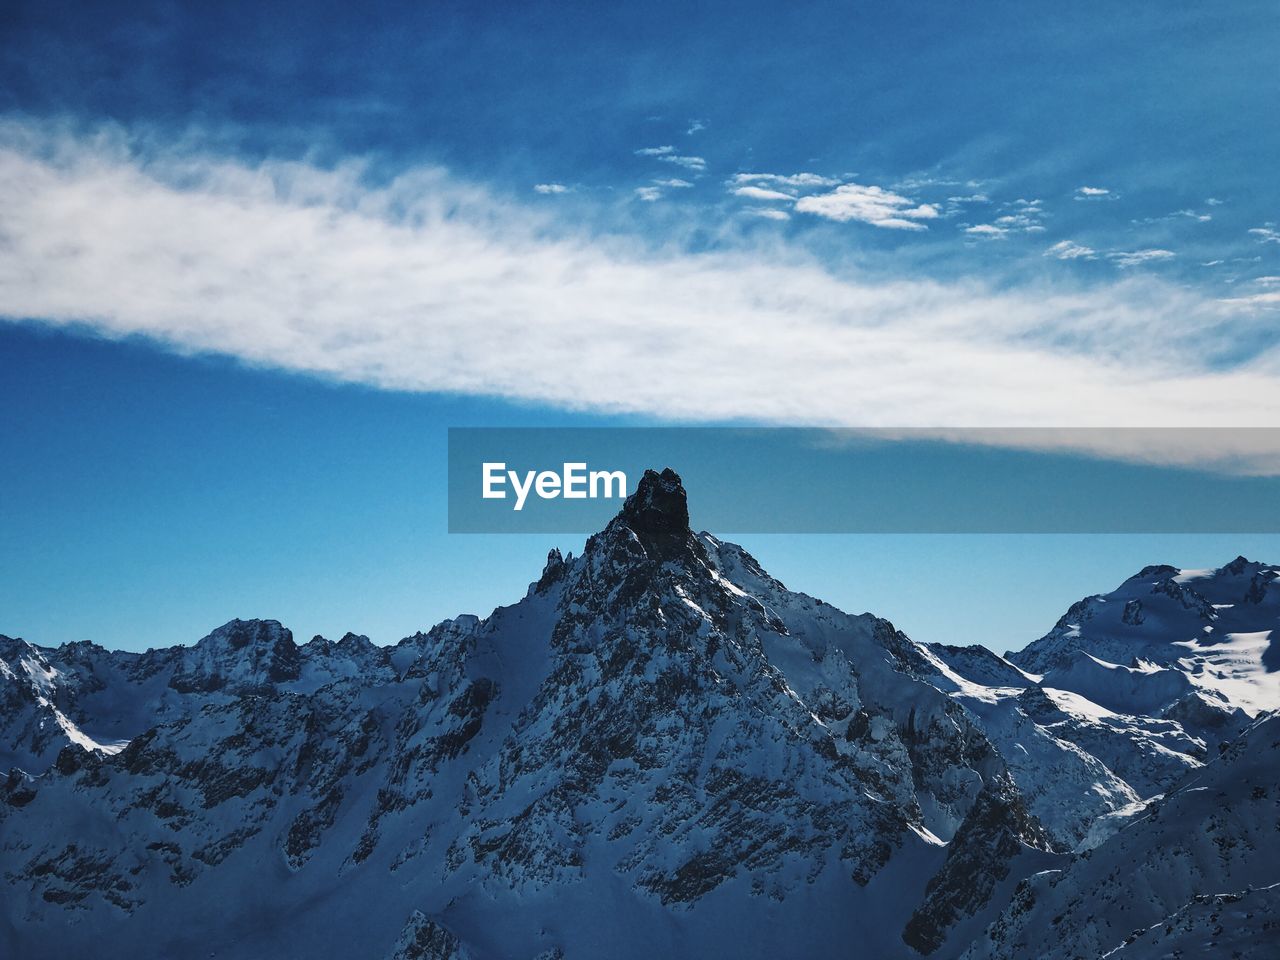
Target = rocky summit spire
(658,514)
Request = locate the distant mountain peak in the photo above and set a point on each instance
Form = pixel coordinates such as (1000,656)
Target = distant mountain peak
(1239,565)
(1161,570)
(238,634)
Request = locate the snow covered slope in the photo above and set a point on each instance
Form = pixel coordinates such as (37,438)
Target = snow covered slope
(1208,852)
(660,750)
(1219,630)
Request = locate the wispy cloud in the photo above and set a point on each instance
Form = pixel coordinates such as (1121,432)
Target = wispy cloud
(767,213)
(868,204)
(787,180)
(1017,216)
(648,194)
(690,163)
(429,284)
(674,184)
(1092,193)
(1070,250)
(696,126)
(1021,222)
(668,154)
(761,193)
(1268,299)
(1136,258)
(1267,233)
(1195,215)
(550,188)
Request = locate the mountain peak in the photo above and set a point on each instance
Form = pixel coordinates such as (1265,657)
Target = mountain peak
(1238,566)
(244,655)
(658,514)
(238,634)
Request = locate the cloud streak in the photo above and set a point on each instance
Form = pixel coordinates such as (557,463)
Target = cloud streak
(761,193)
(668,154)
(1070,250)
(1137,258)
(868,204)
(427,284)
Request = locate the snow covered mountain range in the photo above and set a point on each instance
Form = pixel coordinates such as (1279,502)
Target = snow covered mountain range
(659,751)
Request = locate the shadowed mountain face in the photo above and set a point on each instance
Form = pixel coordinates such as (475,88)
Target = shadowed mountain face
(660,750)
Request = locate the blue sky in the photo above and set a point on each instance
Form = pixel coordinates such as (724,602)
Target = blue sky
(256,261)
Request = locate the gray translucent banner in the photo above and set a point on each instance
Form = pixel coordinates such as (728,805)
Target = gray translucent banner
(762,480)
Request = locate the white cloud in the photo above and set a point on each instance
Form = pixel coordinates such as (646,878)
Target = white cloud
(1070,250)
(695,126)
(1266,234)
(761,193)
(1176,215)
(675,184)
(1088,193)
(1020,222)
(668,154)
(802,180)
(648,194)
(428,284)
(690,163)
(1023,216)
(1269,298)
(550,188)
(768,213)
(868,204)
(1135,258)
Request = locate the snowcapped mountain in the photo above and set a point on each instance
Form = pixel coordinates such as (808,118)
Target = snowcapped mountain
(1205,851)
(1166,631)
(660,750)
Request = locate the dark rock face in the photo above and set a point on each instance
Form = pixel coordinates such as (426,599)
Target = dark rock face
(658,514)
(554,569)
(425,939)
(998,828)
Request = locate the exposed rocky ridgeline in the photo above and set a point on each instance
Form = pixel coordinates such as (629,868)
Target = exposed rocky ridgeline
(660,750)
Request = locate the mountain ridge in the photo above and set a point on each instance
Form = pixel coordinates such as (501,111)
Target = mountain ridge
(658,725)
